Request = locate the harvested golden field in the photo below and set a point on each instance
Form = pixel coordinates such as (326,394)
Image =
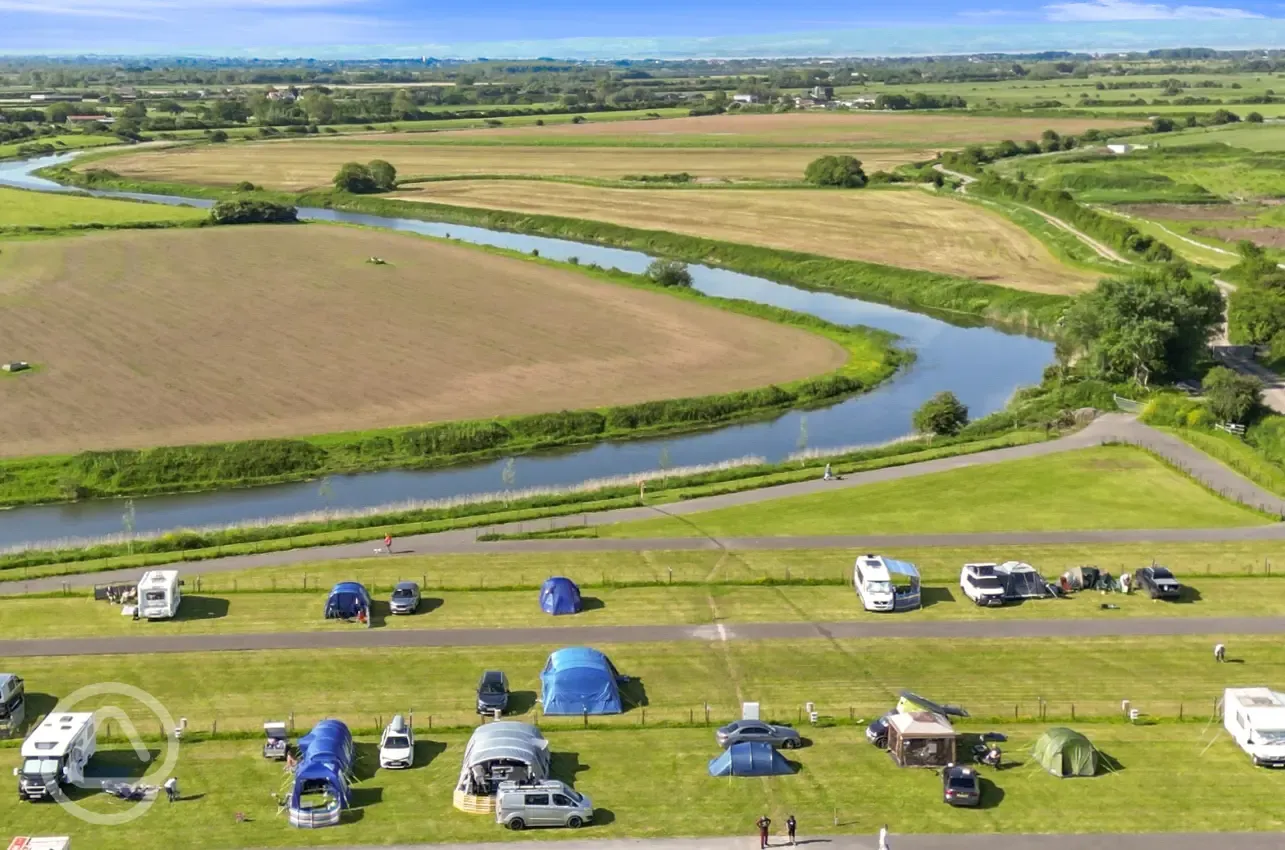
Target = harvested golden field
(789,128)
(908,228)
(298,165)
(184,336)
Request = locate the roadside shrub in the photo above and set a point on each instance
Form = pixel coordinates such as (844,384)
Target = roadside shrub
(942,414)
(669,273)
(218,136)
(252,212)
(841,171)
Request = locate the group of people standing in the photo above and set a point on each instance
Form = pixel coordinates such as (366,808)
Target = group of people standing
(764,823)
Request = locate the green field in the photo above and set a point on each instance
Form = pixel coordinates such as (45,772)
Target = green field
(839,777)
(23,210)
(1090,488)
(69,141)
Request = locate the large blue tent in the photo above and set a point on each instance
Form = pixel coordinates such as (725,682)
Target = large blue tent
(345,600)
(579,680)
(559,595)
(750,758)
(325,764)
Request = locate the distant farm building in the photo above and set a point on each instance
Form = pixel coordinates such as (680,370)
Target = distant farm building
(745,98)
(1119,148)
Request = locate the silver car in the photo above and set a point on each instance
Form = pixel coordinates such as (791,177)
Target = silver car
(405,598)
(740,731)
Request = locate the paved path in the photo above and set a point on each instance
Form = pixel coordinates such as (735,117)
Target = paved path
(883,627)
(1110,428)
(1145,841)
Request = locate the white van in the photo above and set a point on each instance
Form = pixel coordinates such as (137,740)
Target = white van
(13,704)
(397,745)
(547,803)
(873,583)
(159,594)
(56,752)
(1255,718)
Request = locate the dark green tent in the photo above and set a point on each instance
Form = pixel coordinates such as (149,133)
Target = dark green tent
(1065,752)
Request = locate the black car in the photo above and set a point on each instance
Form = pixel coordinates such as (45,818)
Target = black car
(960,786)
(877,732)
(492,692)
(1158,582)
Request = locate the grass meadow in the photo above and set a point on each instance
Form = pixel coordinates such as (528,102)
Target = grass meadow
(21,210)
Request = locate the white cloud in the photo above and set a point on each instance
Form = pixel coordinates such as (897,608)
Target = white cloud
(986,14)
(1126,10)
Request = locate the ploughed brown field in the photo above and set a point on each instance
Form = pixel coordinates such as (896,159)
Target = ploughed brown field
(305,164)
(907,228)
(182,336)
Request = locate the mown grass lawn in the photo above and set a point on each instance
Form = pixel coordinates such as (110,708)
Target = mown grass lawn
(46,210)
(250,612)
(655,783)
(1105,487)
(993,678)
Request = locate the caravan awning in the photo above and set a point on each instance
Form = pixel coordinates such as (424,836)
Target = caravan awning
(922,724)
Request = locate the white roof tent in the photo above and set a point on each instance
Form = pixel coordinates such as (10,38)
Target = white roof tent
(1022,581)
(503,751)
(53,738)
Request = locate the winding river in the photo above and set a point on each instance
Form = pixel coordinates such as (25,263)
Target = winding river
(982,365)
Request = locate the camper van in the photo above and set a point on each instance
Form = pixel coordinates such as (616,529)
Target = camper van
(56,752)
(547,803)
(886,585)
(1255,717)
(159,594)
(13,704)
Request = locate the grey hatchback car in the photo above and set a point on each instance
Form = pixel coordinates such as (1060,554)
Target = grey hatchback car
(740,731)
(405,598)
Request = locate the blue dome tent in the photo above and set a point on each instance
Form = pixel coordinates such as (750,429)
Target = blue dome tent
(750,758)
(559,595)
(579,680)
(325,765)
(345,600)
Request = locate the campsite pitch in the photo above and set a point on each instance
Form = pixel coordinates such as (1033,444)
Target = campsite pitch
(150,338)
(911,229)
(839,776)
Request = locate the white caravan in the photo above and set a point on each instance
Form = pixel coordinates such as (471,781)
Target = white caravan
(873,583)
(159,594)
(56,752)
(1255,717)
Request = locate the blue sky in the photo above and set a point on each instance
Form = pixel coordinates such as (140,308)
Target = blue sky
(583,29)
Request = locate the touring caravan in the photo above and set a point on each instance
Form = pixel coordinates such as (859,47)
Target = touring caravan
(886,585)
(13,704)
(56,752)
(1255,717)
(159,594)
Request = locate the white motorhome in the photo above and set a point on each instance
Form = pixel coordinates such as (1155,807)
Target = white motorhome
(56,752)
(13,704)
(1255,717)
(884,584)
(159,594)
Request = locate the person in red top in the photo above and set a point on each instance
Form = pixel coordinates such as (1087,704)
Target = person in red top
(388,543)
(763,824)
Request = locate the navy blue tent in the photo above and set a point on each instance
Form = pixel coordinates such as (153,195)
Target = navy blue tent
(559,595)
(345,600)
(325,764)
(579,680)
(750,758)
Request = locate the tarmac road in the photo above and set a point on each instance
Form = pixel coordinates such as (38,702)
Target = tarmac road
(363,638)
(1111,428)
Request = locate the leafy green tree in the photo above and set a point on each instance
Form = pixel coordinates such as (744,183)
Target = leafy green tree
(942,414)
(669,273)
(355,178)
(319,107)
(57,113)
(1050,141)
(218,136)
(252,212)
(1231,396)
(384,175)
(1254,118)
(1256,314)
(230,111)
(1223,116)
(135,110)
(403,105)
(844,171)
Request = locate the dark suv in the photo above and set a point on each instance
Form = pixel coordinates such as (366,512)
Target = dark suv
(960,786)
(1158,582)
(492,692)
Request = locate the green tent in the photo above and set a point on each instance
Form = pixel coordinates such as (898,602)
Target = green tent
(1065,752)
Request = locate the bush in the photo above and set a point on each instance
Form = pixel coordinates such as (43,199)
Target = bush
(357,179)
(679,177)
(843,171)
(1231,396)
(384,174)
(252,212)
(669,273)
(218,136)
(1254,118)
(942,414)
(579,119)
(246,186)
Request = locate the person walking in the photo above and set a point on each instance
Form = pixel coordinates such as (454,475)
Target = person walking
(388,543)
(763,823)
(171,788)
(790,825)
(1220,652)
(883,837)
(827,476)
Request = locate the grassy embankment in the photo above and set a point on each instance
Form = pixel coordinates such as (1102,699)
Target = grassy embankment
(55,144)
(840,779)
(26,212)
(1091,488)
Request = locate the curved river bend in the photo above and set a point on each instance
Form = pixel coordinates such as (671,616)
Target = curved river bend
(981,365)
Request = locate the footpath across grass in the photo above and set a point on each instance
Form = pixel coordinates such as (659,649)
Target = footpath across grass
(654,783)
(1107,487)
